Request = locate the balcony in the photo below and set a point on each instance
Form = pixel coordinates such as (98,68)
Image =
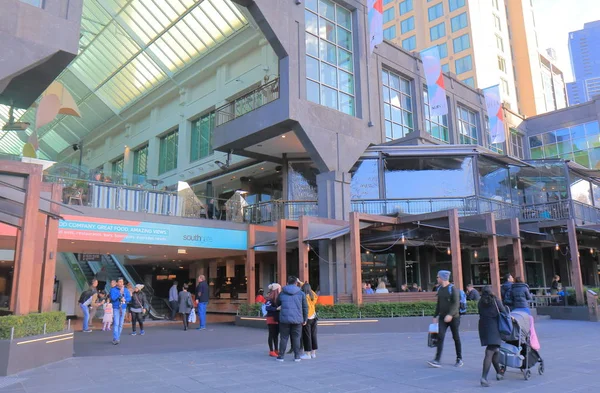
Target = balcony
(272,211)
(249,102)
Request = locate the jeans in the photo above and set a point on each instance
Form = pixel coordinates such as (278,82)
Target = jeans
(118,319)
(309,336)
(174,308)
(273,336)
(443,326)
(139,318)
(202,314)
(285,331)
(86,316)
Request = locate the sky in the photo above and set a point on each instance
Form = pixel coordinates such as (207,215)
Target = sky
(555,19)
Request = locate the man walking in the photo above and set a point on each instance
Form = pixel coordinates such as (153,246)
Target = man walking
(174,300)
(448,311)
(506,288)
(202,301)
(85,300)
(120,297)
(292,316)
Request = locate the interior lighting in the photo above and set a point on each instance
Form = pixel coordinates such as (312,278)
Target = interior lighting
(557,247)
(181,251)
(368,252)
(403,239)
(592,251)
(283,136)
(475,254)
(448,251)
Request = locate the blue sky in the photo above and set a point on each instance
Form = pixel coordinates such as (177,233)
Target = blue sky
(554,20)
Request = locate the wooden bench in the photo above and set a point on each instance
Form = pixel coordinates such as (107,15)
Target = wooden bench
(399,297)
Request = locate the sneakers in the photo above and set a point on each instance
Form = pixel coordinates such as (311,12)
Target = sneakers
(305,357)
(279,359)
(142,333)
(459,363)
(273,354)
(115,342)
(134,334)
(313,356)
(87,331)
(434,363)
(201,328)
(297,360)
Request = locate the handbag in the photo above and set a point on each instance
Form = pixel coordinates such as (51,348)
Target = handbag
(505,325)
(433,336)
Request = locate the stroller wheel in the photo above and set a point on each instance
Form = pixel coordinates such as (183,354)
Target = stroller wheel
(527,374)
(541,368)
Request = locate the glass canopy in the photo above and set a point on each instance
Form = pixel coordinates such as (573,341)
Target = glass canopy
(127,48)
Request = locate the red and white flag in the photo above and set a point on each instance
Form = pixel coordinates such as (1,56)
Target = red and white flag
(375,23)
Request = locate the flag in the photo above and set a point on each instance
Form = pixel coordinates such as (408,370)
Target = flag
(493,103)
(436,91)
(375,23)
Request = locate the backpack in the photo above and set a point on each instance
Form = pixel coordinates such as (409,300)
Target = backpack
(462,308)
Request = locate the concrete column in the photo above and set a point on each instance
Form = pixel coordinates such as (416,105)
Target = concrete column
(334,195)
(492,242)
(251,264)
(213,275)
(281,253)
(576,279)
(303,249)
(230,268)
(516,266)
(35,278)
(355,258)
(153,147)
(455,249)
(184,141)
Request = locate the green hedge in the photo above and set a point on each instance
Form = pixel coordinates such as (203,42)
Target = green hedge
(572,299)
(32,324)
(368,310)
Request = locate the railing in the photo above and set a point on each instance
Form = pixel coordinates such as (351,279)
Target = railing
(502,210)
(559,210)
(263,95)
(586,213)
(275,210)
(409,206)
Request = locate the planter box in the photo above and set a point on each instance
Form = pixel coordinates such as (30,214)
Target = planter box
(569,313)
(35,351)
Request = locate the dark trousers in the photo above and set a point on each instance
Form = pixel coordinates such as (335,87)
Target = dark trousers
(139,318)
(185,320)
(273,336)
(285,331)
(443,326)
(309,335)
(174,308)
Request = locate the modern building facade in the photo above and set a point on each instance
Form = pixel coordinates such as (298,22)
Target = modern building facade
(317,159)
(585,62)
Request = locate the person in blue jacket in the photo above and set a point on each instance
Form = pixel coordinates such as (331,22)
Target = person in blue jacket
(519,296)
(120,298)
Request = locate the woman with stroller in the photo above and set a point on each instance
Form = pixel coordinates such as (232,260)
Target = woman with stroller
(518,297)
(273,319)
(490,308)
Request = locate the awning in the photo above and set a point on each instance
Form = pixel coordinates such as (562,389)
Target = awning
(336,233)
(269,239)
(534,233)
(583,171)
(472,231)
(505,159)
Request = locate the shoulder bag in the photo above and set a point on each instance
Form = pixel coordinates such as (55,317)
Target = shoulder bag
(504,321)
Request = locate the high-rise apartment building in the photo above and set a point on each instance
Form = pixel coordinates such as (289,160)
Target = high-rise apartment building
(472,37)
(585,62)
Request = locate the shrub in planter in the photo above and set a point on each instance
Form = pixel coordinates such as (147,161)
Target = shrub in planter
(32,324)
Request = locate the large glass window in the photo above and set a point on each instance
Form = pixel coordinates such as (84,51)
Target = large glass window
(302,181)
(167,160)
(494,180)
(406,6)
(377,267)
(389,33)
(461,43)
(501,64)
(117,169)
(445,67)
(436,11)
(330,58)
(443,49)
(541,183)
(534,268)
(499,43)
(397,105)
(407,25)
(455,4)
(467,126)
(497,23)
(469,82)
(464,64)
(388,14)
(412,177)
(436,126)
(580,189)
(437,31)
(365,180)
(140,165)
(201,141)
(459,22)
(516,144)
(410,43)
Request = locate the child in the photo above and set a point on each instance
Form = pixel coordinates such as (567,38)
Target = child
(108,316)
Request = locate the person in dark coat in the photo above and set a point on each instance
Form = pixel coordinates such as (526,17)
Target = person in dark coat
(185,305)
(293,315)
(489,334)
(506,287)
(472,294)
(519,296)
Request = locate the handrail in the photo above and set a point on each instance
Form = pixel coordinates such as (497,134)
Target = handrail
(249,102)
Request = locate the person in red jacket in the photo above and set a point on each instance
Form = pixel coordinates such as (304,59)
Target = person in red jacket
(259,297)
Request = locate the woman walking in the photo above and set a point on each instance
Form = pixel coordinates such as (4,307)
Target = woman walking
(489,333)
(273,319)
(309,331)
(138,307)
(185,305)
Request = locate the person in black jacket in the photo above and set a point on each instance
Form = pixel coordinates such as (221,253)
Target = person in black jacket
(506,287)
(138,307)
(519,296)
(273,319)
(472,294)
(489,334)
(293,315)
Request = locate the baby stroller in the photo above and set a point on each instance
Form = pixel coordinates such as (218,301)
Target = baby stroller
(516,350)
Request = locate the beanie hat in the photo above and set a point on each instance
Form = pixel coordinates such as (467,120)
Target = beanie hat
(444,275)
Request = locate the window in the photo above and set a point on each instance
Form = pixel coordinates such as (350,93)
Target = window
(501,64)
(516,144)
(140,165)
(495,5)
(505,87)
(117,169)
(579,143)
(329,56)
(467,126)
(464,64)
(459,22)
(407,25)
(437,31)
(410,43)
(469,82)
(436,11)
(497,22)
(455,4)
(388,14)
(201,141)
(387,2)
(167,160)
(436,126)
(397,105)
(389,33)
(499,43)
(406,6)
(443,49)
(461,43)
(445,67)
(35,3)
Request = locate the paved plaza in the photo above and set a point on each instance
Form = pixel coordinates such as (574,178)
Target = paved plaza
(226,358)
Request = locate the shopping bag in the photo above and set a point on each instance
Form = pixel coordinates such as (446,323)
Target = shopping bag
(192,317)
(432,337)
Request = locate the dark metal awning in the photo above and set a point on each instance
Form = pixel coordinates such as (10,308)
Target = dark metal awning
(583,171)
(508,160)
(342,230)
(472,232)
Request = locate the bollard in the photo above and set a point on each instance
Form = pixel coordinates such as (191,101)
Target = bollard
(68,325)
(422,313)
(392,313)
(359,314)
(44,328)
(12,333)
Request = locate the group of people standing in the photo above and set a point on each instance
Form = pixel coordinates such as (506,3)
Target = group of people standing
(514,295)
(291,313)
(182,302)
